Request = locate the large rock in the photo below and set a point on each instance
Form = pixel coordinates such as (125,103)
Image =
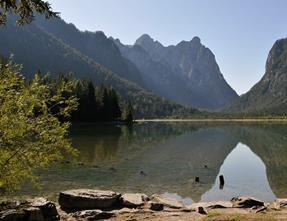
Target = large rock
(168,202)
(12,215)
(84,199)
(133,199)
(38,209)
(246,202)
(155,206)
(48,208)
(281,202)
(34,214)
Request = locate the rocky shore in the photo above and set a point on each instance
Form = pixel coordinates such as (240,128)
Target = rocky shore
(89,204)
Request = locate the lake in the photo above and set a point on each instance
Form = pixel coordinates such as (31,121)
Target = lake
(165,158)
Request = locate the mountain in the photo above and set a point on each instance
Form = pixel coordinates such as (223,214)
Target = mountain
(40,50)
(186,73)
(93,44)
(269,95)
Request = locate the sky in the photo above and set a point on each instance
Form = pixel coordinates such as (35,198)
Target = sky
(239,32)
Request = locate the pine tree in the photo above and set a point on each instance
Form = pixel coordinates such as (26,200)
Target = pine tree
(127,115)
(25,9)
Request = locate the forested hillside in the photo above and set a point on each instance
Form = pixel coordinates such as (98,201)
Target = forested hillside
(39,50)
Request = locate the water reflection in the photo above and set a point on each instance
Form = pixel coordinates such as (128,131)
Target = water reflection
(244,173)
(171,155)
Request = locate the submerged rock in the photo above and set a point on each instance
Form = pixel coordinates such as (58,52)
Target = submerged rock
(84,199)
(133,199)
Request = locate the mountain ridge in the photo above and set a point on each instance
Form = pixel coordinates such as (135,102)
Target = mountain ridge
(269,95)
(189,68)
(39,50)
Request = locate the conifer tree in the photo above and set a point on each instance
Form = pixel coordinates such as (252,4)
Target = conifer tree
(25,9)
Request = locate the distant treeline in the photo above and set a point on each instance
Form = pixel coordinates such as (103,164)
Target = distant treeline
(95,104)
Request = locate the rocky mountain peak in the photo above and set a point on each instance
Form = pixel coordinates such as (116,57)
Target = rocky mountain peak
(269,94)
(144,39)
(186,73)
(277,58)
(195,40)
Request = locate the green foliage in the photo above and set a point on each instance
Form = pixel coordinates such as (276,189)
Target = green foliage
(25,9)
(31,134)
(127,115)
(96,104)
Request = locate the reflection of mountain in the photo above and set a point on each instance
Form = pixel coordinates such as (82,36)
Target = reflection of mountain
(171,155)
(245,174)
(269,142)
(171,166)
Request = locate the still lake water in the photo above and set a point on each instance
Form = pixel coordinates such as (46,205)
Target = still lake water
(252,158)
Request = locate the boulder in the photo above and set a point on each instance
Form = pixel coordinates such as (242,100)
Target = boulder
(246,202)
(168,202)
(85,199)
(48,208)
(155,206)
(281,202)
(201,210)
(12,215)
(133,199)
(92,215)
(34,214)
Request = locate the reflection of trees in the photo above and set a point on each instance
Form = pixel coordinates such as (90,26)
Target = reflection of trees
(269,142)
(96,143)
(173,154)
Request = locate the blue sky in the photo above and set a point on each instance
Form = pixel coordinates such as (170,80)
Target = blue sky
(239,32)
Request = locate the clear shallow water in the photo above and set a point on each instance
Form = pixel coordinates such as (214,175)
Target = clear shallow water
(252,158)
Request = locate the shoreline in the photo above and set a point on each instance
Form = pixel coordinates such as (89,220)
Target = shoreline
(91,204)
(283,120)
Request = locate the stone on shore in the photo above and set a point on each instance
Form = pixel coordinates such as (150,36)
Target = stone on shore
(246,202)
(155,206)
(168,202)
(201,210)
(34,214)
(281,202)
(85,199)
(133,200)
(48,208)
(37,209)
(11,215)
(92,215)
(211,205)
